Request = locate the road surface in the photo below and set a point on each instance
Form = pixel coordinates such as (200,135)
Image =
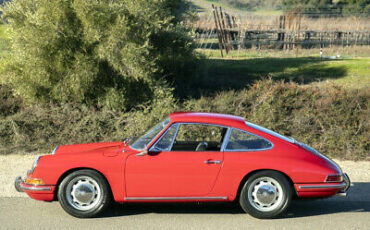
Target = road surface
(352,212)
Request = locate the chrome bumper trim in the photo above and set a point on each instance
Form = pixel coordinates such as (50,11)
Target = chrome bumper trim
(342,185)
(341,194)
(177,198)
(35,188)
(347,181)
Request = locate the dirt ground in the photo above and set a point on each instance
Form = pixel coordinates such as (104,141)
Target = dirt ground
(12,166)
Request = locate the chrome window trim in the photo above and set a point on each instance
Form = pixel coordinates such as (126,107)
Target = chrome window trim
(342,185)
(174,136)
(226,138)
(160,138)
(269,131)
(159,134)
(177,198)
(247,150)
(192,123)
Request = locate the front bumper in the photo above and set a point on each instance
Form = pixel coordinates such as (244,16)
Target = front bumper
(324,189)
(37,192)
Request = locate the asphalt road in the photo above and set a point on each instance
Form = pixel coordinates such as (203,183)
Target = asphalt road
(352,212)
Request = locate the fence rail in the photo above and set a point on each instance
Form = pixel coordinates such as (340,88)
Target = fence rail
(225,31)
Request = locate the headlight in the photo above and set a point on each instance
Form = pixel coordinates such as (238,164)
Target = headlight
(55,150)
(35,164)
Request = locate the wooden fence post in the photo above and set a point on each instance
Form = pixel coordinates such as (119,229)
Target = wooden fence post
(218,31)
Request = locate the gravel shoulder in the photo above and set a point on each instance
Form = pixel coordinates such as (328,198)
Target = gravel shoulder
(12,166)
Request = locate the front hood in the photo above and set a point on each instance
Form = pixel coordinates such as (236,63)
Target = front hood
(89,148)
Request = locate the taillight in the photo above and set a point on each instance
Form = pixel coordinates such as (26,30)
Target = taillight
(334,178)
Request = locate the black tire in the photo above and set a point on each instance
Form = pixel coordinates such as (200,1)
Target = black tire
(85,180)
(270,187)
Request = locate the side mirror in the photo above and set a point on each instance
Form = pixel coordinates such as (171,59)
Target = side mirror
(143,153)
(126,141)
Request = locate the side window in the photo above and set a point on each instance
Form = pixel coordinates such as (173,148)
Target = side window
(165,142)
(199,137)
(240,140)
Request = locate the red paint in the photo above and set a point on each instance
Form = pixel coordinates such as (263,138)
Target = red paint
(184,174)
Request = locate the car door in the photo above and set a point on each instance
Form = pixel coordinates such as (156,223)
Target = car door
(184,162)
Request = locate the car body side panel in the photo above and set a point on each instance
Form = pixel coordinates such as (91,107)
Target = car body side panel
(295,163)
(171,174)
(110,167)
(301,166)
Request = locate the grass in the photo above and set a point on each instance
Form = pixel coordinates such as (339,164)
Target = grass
(206,6)
(4,40)
(238,70)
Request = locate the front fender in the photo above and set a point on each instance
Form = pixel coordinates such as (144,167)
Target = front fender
(53,168)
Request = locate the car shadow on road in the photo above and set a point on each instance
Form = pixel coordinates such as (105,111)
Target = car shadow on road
(358,200)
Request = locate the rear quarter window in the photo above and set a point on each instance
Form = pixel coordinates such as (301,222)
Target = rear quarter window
(240,140)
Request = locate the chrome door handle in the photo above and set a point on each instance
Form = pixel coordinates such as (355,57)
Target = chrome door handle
(212,162)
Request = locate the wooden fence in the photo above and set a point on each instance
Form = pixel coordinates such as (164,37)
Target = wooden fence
(227,34)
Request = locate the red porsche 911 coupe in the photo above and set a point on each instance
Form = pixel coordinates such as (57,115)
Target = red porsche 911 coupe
(189,157)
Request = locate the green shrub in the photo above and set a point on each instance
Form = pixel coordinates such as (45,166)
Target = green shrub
(317,8)
(9,104)
(36,128)
(105,53)
(333,119)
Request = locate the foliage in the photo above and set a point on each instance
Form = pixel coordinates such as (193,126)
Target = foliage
(251,4)
(9,104)
(329,7)
(114,54)
(331,118)
(353,7)
(4,41)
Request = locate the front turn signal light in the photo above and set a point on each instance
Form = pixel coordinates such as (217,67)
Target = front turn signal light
(34,181)
(334,178)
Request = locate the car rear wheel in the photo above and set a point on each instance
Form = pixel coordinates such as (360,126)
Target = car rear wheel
(84,193)
(266,194)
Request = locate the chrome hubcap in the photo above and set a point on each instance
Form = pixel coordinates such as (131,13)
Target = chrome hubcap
(265,194)
(83,193)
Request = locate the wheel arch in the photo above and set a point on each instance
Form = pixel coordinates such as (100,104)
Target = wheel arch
(245,178)
(66,173)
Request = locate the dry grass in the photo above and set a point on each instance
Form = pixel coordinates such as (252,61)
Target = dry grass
(247,21)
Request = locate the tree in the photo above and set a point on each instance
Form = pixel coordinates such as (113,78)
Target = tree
(355,7)
(310,7)
(329,7)
(115,53)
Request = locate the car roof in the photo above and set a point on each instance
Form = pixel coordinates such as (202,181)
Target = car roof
(209,118)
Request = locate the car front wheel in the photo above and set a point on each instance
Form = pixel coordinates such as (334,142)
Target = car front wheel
(84,193)
(266,194)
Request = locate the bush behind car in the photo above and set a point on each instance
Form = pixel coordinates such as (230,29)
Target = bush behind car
(331,118)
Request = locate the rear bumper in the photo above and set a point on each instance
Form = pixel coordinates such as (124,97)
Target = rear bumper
(37,192)
(324,189)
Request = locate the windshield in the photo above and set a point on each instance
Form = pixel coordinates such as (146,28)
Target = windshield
(145,139)
(291,140)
